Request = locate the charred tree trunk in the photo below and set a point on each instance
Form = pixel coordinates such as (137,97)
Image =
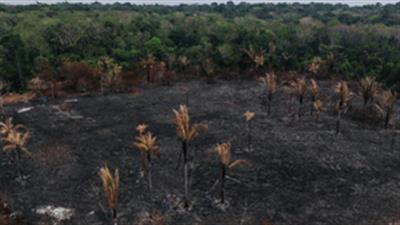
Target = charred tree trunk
(186,173)
(269,103)
(114,216)
(223,175)
(387,119)
(300,105)
(338,121)
(149,173)
(249,147)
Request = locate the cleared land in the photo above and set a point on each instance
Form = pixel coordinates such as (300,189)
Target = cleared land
(300,172)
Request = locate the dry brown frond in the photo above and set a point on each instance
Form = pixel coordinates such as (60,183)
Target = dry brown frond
(147,143)
(148,62)
(224,152)
(386,101)
(16,140)
(314,89)
(248,115)
(184,130)
(369,88)
(183,60)
(13,98)
(315,65)
(317,105)
(110,186)
(256,57)
(298,86)
(6,126)
(141,128)
(38,85)
(154,218)
(344,93)
(109,70)
(270,82)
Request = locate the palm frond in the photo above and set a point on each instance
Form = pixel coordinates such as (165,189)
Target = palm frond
(248,115)
(141,128)
(147,143)
(369,88)
(238,162)
(184,129)
(314,88)
(298,86)
(110,185)
(270,82)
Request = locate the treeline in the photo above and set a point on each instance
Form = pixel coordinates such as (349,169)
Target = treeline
(228,39)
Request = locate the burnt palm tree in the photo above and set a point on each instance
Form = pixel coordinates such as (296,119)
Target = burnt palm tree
(186,132)
(317,105)
(385,105)
(369,89)
(111,188)
(109,72)
(344,99)
(257,57)
(314,91)
(15,139)
(224,153)
(299,88)
(146,143)
(271,86)
(249,117)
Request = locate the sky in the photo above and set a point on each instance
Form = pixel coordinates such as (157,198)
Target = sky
(174,2)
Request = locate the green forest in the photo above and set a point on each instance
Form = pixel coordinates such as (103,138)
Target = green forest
(73,41)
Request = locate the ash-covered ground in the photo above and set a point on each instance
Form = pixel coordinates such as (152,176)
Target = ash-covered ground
(300,172)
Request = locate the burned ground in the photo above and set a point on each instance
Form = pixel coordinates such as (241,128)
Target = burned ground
(300,172)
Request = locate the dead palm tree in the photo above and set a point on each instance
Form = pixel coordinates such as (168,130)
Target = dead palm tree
(315,65)
(186,132)
(141,128)
(147,144)
(299,88)
(15,139)
(249,117)
(314,91)
(148,64)
(111,188)
(257,57)
(369,89)
(109,72)
(345,97)
(385,105)
(271,86)
(317,105)
(224,153)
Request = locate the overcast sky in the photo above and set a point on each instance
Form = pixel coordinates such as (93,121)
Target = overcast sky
(173,2)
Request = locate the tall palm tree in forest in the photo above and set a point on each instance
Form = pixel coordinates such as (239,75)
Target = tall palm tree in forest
(186,132)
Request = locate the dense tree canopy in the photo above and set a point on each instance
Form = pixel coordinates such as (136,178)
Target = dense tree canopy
(349,41)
